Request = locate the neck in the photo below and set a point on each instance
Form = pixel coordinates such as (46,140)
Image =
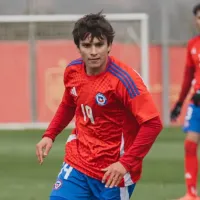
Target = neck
(95,71)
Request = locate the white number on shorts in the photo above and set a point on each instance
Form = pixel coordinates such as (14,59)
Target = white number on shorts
(189,113)
(87,113)
(67,169)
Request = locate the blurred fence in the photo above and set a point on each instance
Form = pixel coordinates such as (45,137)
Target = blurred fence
(179,12)
(34,56)
(170,27)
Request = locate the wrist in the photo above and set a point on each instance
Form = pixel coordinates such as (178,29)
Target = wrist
(125,165)
(49,136)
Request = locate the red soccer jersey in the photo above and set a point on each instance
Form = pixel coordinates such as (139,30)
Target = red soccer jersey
(109,109)
(192,68)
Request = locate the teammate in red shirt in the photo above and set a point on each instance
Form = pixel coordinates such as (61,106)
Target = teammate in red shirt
(192,119)
(116,121)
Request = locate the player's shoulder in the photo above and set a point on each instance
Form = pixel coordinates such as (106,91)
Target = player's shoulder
(74,65)
(193,40)
(73,68)
(126,76)
(120,69)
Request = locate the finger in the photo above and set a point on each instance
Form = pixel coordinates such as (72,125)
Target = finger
(46,151)
(37,154)
(40,154)
(105,176)
(105,169)
(110,179)
(118,181)
(115,180)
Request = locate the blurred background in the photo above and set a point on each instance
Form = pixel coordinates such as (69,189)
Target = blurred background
(179,13)
(33,57)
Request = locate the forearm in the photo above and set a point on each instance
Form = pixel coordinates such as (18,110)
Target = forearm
(61,119)
(187,80)
(142,144)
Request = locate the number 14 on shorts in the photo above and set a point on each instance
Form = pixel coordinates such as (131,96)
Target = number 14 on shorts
(65,169)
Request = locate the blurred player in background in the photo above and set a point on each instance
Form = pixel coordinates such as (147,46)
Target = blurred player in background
(192,119)
(116,120)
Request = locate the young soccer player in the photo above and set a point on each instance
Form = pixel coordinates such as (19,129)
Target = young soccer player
(116,120)
(192,119)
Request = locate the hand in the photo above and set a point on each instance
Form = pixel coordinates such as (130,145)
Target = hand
(113,174)
(176,111)
(196,98)
(43,148)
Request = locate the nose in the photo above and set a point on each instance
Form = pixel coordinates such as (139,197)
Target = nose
(93,51)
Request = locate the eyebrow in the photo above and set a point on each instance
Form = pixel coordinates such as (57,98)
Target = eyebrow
(99,42)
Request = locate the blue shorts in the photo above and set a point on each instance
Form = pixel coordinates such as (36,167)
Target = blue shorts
(74,185)
(192,119)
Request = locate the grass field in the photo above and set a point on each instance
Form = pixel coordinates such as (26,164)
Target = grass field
(21,178)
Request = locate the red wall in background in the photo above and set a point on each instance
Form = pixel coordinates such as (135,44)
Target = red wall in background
(52,57)
(14,83)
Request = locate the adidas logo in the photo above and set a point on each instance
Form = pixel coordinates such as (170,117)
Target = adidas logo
(73,92)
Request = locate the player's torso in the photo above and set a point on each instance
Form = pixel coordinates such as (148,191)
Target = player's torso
(100,117)
(195,54)
(97,106)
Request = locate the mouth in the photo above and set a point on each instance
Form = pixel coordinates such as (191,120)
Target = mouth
(94,59)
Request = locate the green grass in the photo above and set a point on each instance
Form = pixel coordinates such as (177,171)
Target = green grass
(21,178)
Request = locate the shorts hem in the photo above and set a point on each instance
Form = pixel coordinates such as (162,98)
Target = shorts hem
(191,130)
(53,197)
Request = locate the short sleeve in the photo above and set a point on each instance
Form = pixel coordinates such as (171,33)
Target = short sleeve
(136,97)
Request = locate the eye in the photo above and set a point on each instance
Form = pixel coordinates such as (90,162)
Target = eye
(86,45)
(99,44)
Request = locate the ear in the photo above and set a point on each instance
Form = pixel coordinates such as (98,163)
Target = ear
(109,48)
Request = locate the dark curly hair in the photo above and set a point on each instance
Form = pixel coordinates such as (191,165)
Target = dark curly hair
(96,25)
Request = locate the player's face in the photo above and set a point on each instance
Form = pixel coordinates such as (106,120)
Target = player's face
(94,52)
(197,19)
